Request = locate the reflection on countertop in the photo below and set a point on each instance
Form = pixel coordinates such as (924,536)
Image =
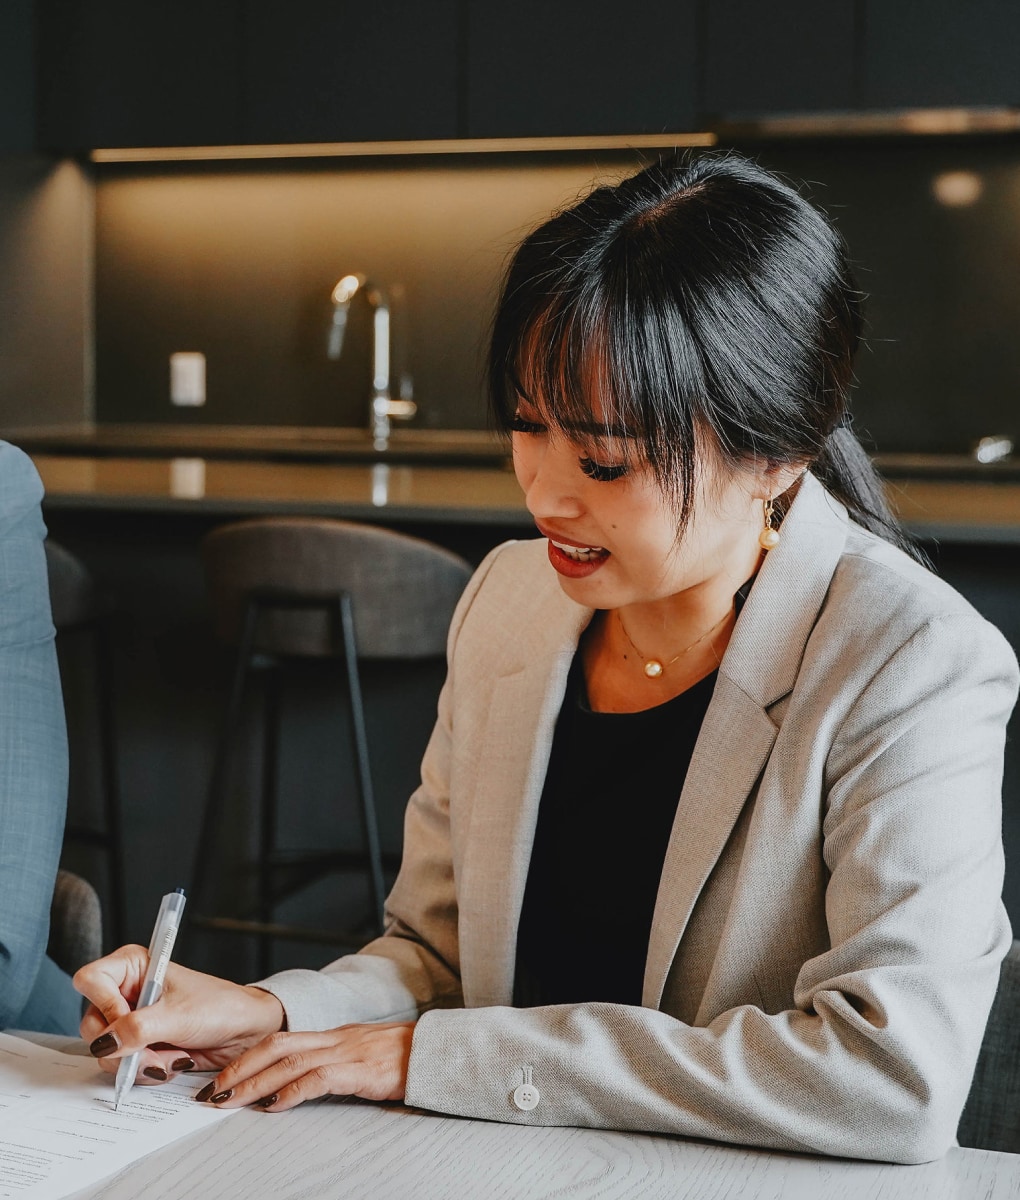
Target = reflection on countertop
(946,510)
(379,491)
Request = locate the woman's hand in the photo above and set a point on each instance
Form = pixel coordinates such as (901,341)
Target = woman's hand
(287,1068)
(200,1022)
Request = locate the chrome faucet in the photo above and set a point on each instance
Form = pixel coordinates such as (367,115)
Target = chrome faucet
(384,408)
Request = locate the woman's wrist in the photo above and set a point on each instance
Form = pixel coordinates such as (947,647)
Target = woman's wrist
(269,1015)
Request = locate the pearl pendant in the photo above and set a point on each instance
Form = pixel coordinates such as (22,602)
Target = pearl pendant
(653,668)
(768,539)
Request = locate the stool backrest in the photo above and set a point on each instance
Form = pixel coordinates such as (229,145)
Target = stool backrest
(73,595)
(403,589)
(76,923)
(991,1118)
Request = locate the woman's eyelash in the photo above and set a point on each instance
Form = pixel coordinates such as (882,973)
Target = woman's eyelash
(602,472)
(519,425)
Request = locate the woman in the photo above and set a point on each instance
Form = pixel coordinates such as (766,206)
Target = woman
(34,993)
(802,952)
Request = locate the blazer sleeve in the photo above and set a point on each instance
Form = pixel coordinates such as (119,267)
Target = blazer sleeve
(33,745)
(415,965)
(875,1058)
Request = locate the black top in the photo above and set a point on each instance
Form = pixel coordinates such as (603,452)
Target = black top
(604,821)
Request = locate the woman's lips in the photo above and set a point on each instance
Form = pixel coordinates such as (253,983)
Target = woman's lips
(576,562)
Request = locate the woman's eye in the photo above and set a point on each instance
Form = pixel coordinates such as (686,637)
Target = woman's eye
(602,472)
(519,425)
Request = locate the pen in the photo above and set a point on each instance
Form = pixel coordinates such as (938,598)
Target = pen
(168,921)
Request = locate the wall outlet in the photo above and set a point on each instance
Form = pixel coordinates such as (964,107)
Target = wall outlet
(187,379)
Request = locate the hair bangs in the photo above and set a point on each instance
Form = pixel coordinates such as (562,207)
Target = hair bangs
(602,364)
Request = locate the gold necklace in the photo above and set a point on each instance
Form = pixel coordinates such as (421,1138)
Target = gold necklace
(654,668)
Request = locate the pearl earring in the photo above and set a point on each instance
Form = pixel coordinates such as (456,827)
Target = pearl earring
(768,539)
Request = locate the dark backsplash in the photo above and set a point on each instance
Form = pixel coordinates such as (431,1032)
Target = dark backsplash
(238,262)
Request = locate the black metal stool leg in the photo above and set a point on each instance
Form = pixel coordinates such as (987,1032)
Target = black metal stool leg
(371,825)
(267,837)
(110,783)
(211,819)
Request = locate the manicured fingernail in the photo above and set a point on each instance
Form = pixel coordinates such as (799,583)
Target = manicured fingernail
(103,1045)
(266,1101)
(183,1064)
(156,1073)
(163,1046)
(221,1096)
(206,1092)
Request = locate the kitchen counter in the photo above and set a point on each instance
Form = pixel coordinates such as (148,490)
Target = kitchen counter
(942,510)
(282,443)
(407,444)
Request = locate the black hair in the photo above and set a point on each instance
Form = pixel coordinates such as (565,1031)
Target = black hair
(702,296)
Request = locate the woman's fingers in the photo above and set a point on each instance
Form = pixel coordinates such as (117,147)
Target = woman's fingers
(288,1068)
(112,984)
(211,1019)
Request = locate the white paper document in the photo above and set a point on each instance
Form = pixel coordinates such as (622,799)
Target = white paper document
(59,1132)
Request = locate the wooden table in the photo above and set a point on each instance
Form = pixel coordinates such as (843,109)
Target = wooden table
(359,1151)
(353,1150)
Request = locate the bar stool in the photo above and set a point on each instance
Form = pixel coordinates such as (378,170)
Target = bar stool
(83,616)
(302,588)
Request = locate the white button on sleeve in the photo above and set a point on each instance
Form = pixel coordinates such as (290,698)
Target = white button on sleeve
(526,1097)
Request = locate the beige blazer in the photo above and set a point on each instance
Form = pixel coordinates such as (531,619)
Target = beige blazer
(828,929)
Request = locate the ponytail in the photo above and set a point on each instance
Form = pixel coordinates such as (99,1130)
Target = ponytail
(845,469)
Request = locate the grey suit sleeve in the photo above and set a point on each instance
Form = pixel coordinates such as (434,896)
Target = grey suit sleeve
(415,965)
(33,747)
(875,1058)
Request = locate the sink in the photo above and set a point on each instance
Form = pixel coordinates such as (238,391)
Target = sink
(282,443)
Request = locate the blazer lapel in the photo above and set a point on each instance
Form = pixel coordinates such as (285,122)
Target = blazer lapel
(525,703)
(759,667)
(733,746)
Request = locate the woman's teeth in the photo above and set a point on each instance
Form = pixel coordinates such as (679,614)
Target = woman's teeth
(580,553)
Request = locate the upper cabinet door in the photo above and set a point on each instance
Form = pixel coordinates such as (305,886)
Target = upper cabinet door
(762,58)
(941,53)
(541,69)
(340,70)
(17,112)
(123,73)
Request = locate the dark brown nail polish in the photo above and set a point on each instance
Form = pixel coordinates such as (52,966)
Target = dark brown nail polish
(267,1101)
(183,1064)
(206,1092)
(163,1046)
(221,1096)
(103,1046)
(156,1073)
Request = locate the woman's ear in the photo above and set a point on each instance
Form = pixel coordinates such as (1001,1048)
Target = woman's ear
(777,480)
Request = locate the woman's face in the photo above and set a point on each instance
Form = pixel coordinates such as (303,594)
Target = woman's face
(613,532)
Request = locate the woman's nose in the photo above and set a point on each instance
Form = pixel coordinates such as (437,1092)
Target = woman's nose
(549,475)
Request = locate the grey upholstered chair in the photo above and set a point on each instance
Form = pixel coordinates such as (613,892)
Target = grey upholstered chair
(83,616)
(76,923)
(991,1118)
(310,588)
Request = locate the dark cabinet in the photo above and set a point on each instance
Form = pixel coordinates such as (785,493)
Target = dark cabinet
(344,70)
(940,53)
(117,73)
(793,57)
(17,111)
(541,69)
(120,73)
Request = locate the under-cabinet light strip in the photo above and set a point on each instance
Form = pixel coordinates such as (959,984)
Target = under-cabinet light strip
(642,141)
(912,122)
